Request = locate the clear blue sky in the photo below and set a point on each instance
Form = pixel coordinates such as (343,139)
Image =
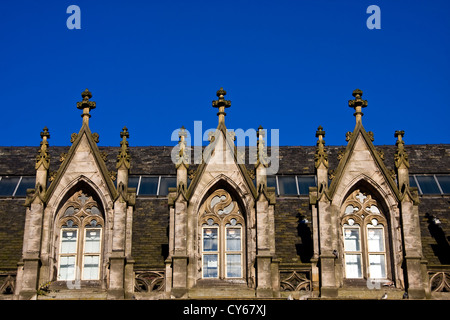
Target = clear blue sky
(289,65)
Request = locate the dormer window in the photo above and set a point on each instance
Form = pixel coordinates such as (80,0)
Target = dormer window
(222,238)
(80,244)
(364,242)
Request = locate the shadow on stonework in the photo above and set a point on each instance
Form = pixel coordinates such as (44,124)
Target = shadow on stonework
(304,249)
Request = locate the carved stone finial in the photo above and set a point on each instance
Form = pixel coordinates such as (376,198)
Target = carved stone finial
(86,105)
(220,93)
(357,104)
(400,156)
(320,132)
(86,94)
(321,155)
(45,134)
(399,135)
(221,103)
(260,132)
(262,157)
(43,157)
(183,156)
(182,133)
(123,158)
(124,133)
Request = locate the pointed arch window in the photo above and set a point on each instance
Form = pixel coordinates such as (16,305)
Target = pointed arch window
(364,238)
(222,234)
(80,243)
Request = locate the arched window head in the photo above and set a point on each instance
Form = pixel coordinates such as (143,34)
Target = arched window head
(222,237)
(364,237)
(80,243)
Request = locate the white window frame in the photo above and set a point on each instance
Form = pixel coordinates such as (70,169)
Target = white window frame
(358,253)
(97,254)
(216,253)
(380,253)
(222,252)
(233,252)
(73,254)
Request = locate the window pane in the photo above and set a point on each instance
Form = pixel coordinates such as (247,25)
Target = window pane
(133,181)
(8,185)
(210,266)
(92,241)
(444,182)
(351,239)
(375,239)
(304,182)
(210,239)
(91,267)
(69,241)
(428,185)
(377,266)
(353,266)
(272,181)
(26,183)
(166,183)
(412,182)
(287,185)
(149,186)
(234,266)
(233,239)
(67,268)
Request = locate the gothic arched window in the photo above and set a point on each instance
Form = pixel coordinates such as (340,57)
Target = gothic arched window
(364,238)
(222,237)
(80,241)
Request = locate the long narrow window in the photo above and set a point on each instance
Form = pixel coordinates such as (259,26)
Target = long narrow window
(364,238)
(210,250)
(91,254)
(68,252)
(222,237)
(352,248)
(80,244)
(376,250)
(233,250)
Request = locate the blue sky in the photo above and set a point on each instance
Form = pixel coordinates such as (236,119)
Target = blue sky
(155,66)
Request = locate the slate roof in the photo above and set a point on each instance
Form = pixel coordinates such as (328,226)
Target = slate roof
(156,160)
(151,215)
(12,222)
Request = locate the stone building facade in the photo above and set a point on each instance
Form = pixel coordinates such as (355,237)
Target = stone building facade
(339,222)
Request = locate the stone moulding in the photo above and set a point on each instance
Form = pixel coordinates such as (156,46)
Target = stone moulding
(295,280)
(7,283)
(439,281)
(149,281)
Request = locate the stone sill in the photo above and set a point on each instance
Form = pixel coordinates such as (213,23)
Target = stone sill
(205,283)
